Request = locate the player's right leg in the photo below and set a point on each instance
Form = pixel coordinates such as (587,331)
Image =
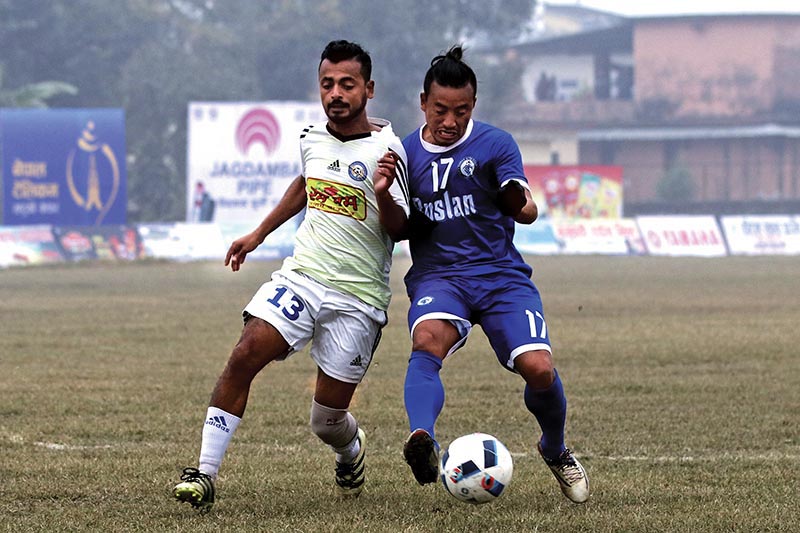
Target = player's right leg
(259,344)
(268,335)
(436,332)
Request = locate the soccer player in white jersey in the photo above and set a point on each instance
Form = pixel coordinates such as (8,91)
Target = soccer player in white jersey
(334,290)
(468,189)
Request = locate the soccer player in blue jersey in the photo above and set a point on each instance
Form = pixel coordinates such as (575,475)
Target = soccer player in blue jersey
(468,190)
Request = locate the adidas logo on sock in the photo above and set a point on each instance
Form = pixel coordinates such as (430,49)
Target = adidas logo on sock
(219,423)
(356,361)
(334,166)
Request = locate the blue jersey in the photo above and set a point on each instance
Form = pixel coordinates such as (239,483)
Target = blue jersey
(455,188)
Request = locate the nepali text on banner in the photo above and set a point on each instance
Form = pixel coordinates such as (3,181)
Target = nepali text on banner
(762,235)
(63,166)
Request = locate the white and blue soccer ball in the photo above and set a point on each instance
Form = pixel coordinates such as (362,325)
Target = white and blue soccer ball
(476,468)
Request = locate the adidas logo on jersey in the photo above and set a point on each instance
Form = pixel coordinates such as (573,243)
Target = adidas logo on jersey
(334,166)
(356,361)
(219,423)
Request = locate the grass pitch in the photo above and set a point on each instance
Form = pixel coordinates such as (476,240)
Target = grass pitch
(682,376)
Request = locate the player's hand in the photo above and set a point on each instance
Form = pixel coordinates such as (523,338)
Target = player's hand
(511,199)
(384,175)
(239,249)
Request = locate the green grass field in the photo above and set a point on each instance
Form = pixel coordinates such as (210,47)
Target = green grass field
(682,375)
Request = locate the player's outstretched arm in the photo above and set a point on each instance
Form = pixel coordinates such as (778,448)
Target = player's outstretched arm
(292,202)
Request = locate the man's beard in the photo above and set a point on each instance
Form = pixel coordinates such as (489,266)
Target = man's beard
(341,119)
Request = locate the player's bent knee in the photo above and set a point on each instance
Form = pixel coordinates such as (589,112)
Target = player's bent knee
(536,368)
(434,336)
(335,427)
(247,359)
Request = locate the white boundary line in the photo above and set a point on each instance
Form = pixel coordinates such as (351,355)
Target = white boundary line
(725,456)
(684,458)
(16,438)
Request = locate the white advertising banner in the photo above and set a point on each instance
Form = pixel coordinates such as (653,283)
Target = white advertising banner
(537,238)
(183,242)
(242,156)
(762,235)
(599,236)
(698,236)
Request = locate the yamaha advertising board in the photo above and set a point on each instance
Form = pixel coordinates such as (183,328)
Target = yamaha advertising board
(63,166)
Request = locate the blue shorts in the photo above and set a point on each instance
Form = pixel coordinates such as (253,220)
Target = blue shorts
(507,306)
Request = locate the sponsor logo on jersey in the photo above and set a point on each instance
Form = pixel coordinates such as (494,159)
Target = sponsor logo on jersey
(425,300)
(357,171)
(335,166)
(447,207)
(336,198)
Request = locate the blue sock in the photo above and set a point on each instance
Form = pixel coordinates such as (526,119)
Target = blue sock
(549,406)
(423,391)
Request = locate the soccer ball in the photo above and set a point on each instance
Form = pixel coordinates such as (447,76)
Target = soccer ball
(476,468)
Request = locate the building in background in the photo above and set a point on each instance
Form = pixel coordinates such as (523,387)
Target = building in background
(702,112)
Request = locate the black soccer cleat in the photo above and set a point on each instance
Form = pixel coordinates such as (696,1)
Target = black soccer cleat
(195,488)
(422,456)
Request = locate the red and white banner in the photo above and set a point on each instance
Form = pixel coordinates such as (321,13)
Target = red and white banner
(599,236)
(565,192)
(762,235)
(698,236)
(28,245)
(242,157)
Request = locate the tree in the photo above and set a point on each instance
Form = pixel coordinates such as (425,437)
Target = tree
(677,185)
(153,57)
(33,94)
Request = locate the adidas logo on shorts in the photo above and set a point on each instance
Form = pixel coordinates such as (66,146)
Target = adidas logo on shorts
(356,361)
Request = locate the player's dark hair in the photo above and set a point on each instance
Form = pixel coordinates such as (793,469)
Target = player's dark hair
(448,70)
(342,50)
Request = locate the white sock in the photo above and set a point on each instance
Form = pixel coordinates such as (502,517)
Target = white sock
(347,453)
(217,432)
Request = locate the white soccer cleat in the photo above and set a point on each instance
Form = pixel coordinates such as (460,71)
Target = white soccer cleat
(350,476)
(570,474)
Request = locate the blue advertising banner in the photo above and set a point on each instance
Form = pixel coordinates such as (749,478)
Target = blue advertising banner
(63,166)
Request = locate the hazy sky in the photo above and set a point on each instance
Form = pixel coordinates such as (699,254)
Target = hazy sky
(676,7)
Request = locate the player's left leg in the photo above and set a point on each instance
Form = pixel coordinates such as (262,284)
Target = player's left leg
(516,328)
(337,427)
(549,405)
(346,336)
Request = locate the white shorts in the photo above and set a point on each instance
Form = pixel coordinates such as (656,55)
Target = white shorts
(345,331)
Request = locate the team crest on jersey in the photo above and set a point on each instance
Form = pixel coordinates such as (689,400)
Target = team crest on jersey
(336,198)
(467,167)
(357,171)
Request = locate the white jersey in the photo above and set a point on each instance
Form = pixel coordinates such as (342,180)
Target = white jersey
(341,242)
